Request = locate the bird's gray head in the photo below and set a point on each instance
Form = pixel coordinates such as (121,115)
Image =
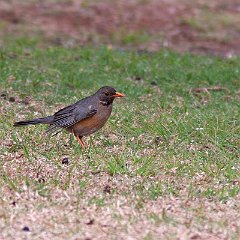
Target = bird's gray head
(107,94)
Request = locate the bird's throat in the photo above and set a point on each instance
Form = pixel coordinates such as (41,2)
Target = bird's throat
(106,103)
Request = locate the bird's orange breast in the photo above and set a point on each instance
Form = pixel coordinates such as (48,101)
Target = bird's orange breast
(92,124)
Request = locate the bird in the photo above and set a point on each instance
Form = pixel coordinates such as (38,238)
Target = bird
(82,118)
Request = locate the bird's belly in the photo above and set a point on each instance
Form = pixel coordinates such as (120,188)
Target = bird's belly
(89,125)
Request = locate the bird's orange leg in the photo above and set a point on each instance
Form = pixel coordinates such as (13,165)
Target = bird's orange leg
(79,139)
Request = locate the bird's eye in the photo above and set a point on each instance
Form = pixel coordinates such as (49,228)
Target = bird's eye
(106,94)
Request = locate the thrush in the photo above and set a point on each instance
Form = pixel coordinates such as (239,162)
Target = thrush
(82,118)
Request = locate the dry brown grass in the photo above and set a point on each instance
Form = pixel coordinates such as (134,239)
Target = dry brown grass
(69,215)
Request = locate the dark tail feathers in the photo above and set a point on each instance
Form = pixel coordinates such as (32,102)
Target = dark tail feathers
(46,120)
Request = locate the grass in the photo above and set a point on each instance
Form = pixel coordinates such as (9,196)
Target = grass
(214,25)
(165,157)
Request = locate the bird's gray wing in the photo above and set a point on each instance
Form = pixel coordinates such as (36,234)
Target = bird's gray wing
(72,114)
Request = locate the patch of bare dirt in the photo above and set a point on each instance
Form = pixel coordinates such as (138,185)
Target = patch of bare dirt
(198,26)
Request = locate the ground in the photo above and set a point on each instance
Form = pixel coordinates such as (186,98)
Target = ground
(199,26)
(166,165)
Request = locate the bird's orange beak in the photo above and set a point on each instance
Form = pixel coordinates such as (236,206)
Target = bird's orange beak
(118,94)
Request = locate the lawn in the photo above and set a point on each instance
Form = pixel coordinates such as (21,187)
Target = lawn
(165,166)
